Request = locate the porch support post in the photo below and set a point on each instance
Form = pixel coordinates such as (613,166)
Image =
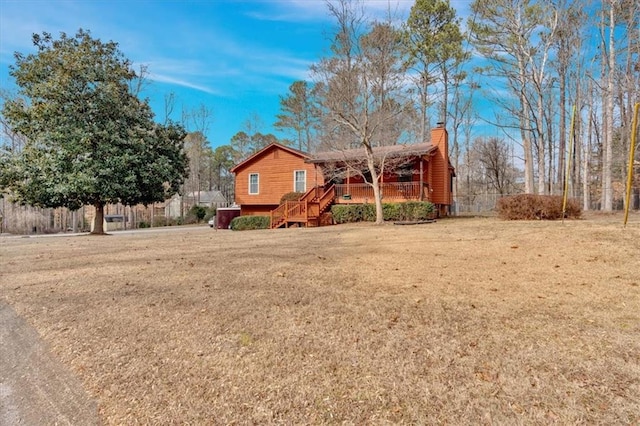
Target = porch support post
(421,179)
(315,185)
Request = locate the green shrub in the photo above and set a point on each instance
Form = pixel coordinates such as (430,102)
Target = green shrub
(196,214)
(143,224)
(211,212)
(409,211)
(392,211)
(245,223)
(291,196)
(339,213)
(368,212)
(415,211)
(159,221)
(349,213)
(530,207)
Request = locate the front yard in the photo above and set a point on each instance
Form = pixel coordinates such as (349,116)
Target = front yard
(462,321)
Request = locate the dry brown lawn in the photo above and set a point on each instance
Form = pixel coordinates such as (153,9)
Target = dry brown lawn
(462,321)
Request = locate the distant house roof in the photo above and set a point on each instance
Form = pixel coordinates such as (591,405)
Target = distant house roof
(269,147)
(205,197)
(389,151)
(212,197)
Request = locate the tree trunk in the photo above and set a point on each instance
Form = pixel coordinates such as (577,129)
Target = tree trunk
(541,165)
(445,100)
(539,120)
(576,134)
(526,141)
(132,223)
(607,181)
(563,124)
(424,101)
(377,195)
(74,219)
(98,220)
(586,196)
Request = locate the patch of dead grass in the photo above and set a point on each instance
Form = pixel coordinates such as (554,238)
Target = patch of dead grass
(460,322)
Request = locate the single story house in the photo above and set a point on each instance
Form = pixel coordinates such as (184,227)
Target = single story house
(416,172)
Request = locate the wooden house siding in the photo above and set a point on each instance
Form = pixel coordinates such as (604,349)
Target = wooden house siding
(440,173)
(276,166)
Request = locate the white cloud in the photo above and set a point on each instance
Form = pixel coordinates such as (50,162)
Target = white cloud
(161,78)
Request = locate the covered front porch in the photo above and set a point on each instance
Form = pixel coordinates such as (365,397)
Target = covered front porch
(360,193)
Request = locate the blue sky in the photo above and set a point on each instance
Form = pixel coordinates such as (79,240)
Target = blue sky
(234,57)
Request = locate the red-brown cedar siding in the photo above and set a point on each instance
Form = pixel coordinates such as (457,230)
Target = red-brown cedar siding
(275,167)
(439,168)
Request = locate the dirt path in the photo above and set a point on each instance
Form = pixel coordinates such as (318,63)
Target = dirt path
(35,388)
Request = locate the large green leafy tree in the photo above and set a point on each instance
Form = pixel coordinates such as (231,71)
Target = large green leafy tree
(89,140)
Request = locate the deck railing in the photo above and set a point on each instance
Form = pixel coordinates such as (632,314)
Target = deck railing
(277,215)
(327,198)
(294,211)
(312,193)
(391,191)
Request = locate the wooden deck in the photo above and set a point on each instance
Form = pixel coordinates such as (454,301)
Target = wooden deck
(307,210)
(391,192)
(316,201)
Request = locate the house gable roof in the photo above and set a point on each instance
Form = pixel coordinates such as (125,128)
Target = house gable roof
(266,149)
(389,151)
(206,197)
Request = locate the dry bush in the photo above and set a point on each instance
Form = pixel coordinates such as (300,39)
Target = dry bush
(541,207)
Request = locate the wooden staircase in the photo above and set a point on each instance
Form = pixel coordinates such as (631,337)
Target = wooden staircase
(307,209)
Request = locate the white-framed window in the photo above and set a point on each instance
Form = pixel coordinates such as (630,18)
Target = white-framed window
(254,183)
(300,181)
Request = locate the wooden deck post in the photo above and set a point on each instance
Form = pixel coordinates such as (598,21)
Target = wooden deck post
(421,179)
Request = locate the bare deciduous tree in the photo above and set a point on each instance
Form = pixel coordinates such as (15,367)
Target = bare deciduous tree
(364,94)
(494,156)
